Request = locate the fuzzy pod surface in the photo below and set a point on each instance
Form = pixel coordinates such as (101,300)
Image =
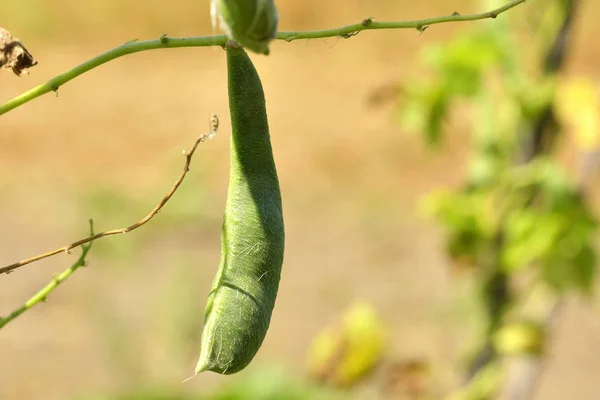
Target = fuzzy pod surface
(251,23)
(244,290)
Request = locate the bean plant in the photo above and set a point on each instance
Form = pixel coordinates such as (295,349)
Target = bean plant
(520,223)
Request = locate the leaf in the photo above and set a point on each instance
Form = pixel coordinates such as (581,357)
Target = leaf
(529,236)
(425,111)
(584,273)
(346,352)
(519,338)
(577,106)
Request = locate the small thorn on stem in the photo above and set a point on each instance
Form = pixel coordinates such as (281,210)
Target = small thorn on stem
(422,29)
(350,34)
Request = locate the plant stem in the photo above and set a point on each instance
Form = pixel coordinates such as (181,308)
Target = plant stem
(128,48)
(49,288)
(539,141)
(368,24)
(93,237)
(165,42)
(522,385)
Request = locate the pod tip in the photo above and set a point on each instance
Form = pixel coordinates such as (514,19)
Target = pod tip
(203,365)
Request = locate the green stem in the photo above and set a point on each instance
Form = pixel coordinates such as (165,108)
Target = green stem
(204,41)
(128,48)
(368,24)
(41,296)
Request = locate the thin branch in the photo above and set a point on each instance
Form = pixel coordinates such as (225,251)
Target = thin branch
(524,371)
(41,296)
(143,221)
(128,48)
(420,25)
(165,42)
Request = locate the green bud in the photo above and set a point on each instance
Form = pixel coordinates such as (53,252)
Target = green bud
(251,23)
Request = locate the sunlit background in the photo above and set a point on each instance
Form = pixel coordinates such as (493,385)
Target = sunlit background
(108,146)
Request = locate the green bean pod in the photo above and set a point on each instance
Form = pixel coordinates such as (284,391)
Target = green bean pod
(251,23)
(243,293)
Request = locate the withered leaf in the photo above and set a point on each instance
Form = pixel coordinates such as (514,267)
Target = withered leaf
(13,55)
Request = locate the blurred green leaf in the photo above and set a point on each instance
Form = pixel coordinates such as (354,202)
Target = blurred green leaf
(425,112)
(468,218)
(529,236)
(265,384)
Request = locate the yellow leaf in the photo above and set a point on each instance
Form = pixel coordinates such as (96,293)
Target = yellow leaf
(519,338)
(347,351)
(576,106)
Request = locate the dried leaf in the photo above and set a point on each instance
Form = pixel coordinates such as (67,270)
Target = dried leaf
(13,55)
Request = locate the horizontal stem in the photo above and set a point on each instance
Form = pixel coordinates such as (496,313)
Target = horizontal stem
(165,42)
(128,48)
(369,24)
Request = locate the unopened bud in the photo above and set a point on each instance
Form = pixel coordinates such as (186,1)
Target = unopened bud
(251,23)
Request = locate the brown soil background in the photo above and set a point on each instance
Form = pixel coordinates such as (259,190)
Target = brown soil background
(109,146)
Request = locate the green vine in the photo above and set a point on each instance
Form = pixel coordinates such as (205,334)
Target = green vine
(165,42)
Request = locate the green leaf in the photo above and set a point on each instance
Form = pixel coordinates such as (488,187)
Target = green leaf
(529,237)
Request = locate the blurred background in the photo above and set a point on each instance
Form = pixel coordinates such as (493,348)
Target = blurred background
(366,263)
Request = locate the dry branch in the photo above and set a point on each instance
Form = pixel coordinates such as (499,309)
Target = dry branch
(143,221)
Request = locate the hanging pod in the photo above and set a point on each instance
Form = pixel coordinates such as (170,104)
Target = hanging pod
(243,293)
